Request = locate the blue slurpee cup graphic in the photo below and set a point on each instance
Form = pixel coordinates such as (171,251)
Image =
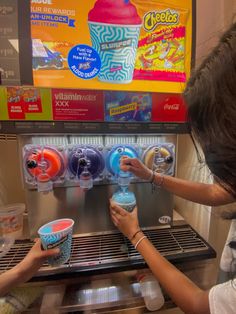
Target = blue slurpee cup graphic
(114,30)
(117,46)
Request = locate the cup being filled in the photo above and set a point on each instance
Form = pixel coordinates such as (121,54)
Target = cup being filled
(125,198)
(57,234)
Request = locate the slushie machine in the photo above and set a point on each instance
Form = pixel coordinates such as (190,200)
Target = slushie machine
(102,80)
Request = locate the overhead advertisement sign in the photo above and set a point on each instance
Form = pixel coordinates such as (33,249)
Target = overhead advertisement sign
(118,45)
(57,104)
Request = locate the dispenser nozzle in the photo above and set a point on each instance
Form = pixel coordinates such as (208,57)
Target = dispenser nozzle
(85,178)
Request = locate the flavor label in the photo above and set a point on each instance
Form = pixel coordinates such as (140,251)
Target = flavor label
(28,103)
(16,111)
(77,105)
(31,99)
(168,108)
(127,106)
(23,100)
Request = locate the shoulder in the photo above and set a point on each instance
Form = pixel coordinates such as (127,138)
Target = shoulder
(222,298)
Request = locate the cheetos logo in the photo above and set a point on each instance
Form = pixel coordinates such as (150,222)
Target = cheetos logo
(154,18)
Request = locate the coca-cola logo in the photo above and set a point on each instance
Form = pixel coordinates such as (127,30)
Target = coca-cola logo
(172,107)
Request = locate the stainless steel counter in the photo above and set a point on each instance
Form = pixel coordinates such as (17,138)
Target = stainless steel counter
(110,293)
(115,292)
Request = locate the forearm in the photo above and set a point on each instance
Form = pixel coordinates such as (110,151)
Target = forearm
(10,279)
(182,291)
(15,276)
(206,194)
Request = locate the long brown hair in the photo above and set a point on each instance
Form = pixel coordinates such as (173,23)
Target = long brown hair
(211,98)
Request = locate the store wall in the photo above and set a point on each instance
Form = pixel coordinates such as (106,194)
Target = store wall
(213,17)
(11,187)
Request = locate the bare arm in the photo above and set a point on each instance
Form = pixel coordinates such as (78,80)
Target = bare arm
(25,269)
(9,280)
(206,194)
(190,298)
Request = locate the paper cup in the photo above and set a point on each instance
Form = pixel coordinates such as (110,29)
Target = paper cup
(11,220)
(117,47)
(57,234)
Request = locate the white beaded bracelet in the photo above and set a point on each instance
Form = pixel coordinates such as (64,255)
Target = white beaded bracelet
(150,179)
(141,239)
(160,184)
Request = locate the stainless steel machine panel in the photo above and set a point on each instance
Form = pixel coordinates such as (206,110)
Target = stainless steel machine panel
(90,209)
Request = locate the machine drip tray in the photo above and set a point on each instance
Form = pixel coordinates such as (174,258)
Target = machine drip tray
(110,251)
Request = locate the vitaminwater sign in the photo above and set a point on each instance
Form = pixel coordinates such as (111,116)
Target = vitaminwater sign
(112,45)
(77,105)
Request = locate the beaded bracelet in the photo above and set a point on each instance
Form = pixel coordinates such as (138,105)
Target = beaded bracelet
(139,241)
(159,184)
(152,177)
(161,181)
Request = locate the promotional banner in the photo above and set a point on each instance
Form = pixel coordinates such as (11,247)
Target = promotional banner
(23,100)
(168,108)
(128,106)
(124,45)
(77,105)
(34,104)
(25,103)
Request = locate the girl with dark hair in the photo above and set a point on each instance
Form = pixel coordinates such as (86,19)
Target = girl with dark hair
(211,98)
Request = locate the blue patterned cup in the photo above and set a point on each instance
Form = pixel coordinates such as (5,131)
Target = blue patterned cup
(117,46)
(57,234)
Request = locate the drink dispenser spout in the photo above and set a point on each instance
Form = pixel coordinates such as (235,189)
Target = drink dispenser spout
(124,197)
(85,178)
(123,180)
(86,164)
(43,166)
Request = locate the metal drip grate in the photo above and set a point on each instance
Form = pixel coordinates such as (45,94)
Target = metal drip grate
(112,248)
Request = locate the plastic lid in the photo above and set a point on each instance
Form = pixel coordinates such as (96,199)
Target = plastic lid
(56,226)
(91,156)
(49,164)
(12,209)
(113,159)
(5,245)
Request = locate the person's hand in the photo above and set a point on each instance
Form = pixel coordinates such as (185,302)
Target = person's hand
(135,166)
(34,260)
(126,222)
